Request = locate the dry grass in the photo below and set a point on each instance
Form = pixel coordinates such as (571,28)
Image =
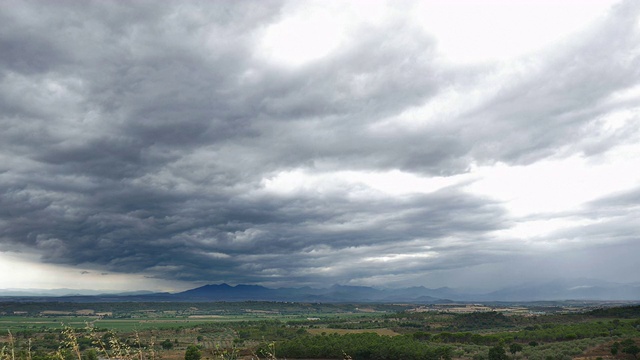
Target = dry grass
(9,353)
(109,346)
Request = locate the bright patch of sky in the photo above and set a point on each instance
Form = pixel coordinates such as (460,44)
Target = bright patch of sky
(557,185)
(470,31)
(20,271)
(313,30)
(390,183)
(465,31)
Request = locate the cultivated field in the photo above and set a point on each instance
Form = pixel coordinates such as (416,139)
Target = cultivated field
(155,331)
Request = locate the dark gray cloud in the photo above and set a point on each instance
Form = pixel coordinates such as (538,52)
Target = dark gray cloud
(138,138)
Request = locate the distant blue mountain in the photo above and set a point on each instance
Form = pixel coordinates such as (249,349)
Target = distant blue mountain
(225,292)
(558,290)
(336,293)
(575,289)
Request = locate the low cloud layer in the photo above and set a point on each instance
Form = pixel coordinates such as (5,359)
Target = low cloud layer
(166,141)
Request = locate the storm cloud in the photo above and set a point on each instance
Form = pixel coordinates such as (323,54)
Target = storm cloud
(159,139)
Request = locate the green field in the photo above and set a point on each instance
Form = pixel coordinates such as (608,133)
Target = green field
(41,331)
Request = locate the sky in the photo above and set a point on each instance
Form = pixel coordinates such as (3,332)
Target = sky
(468,144)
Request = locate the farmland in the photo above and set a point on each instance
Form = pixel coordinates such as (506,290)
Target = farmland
(41,330)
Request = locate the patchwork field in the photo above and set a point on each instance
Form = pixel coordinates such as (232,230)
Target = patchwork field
(47,331)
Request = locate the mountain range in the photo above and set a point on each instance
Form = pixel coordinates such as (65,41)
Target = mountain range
(581,289)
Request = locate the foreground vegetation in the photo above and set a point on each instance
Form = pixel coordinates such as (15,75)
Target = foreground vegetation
(166,331)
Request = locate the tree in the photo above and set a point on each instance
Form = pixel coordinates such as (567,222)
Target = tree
(614,348)
(616,322)
(514,348)
(192,353)
(497,353)
(421,336)
(167,344)
(90,354)
(627,342)
(632,350)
